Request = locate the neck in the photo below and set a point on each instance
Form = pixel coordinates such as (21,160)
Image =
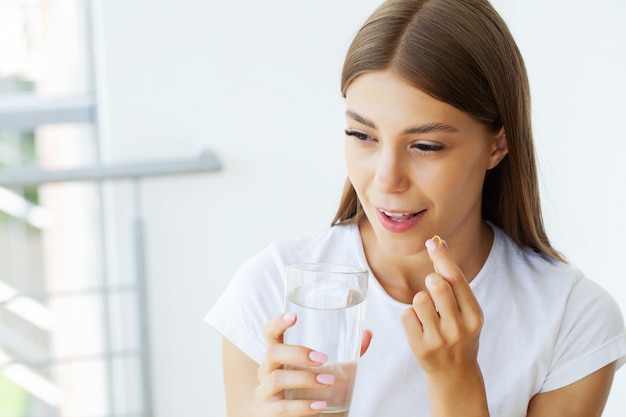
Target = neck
(402,276)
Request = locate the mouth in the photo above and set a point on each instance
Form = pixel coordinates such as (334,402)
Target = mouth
(399,221)
(399,217)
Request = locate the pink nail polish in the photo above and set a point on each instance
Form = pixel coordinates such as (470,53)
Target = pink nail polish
(318,405)
(318,357)
(289,317)
(431,244)
(325,379)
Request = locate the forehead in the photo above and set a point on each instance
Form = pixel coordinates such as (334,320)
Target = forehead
(385,98)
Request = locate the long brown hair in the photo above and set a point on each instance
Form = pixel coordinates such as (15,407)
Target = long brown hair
(462,53)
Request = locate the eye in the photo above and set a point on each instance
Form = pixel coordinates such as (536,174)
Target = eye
(359,135)
(427,147)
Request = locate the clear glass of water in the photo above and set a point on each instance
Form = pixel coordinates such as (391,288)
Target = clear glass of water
(330,303)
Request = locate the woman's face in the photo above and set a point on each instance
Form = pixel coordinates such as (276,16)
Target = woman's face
(417,164)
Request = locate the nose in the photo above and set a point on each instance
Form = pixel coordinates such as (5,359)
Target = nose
(392,174)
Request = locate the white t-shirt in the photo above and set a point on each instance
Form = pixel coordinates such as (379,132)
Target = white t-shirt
(546,325)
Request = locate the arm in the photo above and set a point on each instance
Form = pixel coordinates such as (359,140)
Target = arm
(583,398)
(240,380)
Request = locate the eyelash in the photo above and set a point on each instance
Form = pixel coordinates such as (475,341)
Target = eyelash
(426,147)
(359,135)
(422,147)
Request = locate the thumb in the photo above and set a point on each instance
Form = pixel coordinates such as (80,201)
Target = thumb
(367,338)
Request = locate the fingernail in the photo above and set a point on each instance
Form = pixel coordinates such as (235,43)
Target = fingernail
(420,297)
(289,317)
(318,405)
(435,242)
(318,357)
(432,281)
(431,244)
(325,379)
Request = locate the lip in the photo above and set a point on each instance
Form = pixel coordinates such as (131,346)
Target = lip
(398,227)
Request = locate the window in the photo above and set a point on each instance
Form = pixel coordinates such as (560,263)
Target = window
(69,333)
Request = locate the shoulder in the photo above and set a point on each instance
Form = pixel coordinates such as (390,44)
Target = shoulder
(568,325)
(334,235)
(334,245)
(255,294)
(559,298)
(337,244)
(552,292)
(530,269)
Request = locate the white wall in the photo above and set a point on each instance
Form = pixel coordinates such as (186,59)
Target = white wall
(258,83)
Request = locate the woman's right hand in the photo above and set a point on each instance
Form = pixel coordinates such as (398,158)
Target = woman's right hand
(274,379)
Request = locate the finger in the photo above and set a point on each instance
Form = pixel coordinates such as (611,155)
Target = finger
(294,355)
(275,328)
(426,313)
(421,323)
(449,270)
(441,293)
(443,263)
(367,339)
(413,329)
(277,355)
(283,379)
(294,408)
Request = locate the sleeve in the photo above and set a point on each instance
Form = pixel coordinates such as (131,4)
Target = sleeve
(591,335)
(253,297)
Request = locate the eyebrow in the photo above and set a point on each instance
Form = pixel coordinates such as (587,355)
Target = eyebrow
(427,128)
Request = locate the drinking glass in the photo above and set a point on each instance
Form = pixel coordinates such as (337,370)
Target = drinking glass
(329,301)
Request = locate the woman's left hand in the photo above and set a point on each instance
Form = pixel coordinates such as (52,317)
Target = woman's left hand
(443,328)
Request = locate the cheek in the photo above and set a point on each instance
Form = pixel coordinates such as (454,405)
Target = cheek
(357,167)
(458,183)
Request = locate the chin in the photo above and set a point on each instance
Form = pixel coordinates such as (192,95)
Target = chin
(402,245)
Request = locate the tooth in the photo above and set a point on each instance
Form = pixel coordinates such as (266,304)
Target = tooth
(396,214)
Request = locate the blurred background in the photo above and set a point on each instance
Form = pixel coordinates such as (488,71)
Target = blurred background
(148,148)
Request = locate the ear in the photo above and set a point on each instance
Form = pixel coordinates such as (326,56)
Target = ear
(499,149)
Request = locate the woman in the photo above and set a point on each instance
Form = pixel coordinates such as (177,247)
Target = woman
(490,321)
